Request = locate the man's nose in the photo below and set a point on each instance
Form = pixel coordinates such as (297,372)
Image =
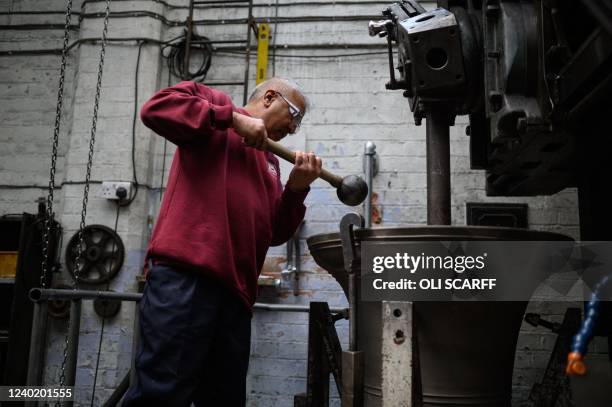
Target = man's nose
(293,127)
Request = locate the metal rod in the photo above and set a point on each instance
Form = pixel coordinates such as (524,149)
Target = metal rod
(221,1)
(188,42)
(224,83)
(218,42)
(37,342)
(369,151)
(250,21)
(135,344)
(73,342)
(119,392)
(438,168)
(297,266)
(347,224)
(38,294)
(290,308)
(352,289)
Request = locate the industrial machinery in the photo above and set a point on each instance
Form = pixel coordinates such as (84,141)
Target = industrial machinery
(533,77)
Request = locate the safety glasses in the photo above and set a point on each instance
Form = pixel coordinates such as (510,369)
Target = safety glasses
(295,112)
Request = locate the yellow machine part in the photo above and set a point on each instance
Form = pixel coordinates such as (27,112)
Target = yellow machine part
(8,264)
(263,38)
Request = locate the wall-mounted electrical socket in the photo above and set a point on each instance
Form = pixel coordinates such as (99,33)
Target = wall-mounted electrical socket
(114,189)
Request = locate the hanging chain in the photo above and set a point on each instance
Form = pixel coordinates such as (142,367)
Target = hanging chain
(56,130)
(92,142)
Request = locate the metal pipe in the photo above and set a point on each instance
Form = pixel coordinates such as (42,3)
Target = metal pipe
(39,294)
(250,21)
(369,150)
(135,344)
(238,83)
(119,392)
(37,342)
(353,297)
(290,308)
(438,167)
(73,343)
(297,265)
(188,42)
(347,224)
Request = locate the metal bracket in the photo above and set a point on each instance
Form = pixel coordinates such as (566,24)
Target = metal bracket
(352,360)
(348,240)
(396,354)
(324,354)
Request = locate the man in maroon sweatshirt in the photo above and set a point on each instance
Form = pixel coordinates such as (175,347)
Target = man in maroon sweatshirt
(223,208)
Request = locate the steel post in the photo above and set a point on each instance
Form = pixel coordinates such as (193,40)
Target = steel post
(438,167)
(369,152)
(37,344)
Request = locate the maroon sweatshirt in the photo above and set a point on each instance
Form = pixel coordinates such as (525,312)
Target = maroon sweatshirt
(224,205)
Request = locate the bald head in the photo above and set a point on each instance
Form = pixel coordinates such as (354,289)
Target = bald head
(284,86)
(281,105)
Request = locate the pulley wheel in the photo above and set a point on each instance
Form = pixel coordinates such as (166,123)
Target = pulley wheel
(102,254)
(59,308)
(107,308)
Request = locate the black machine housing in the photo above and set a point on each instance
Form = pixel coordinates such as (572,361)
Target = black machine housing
(533,77)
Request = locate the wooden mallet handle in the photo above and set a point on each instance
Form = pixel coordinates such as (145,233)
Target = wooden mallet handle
(351,190)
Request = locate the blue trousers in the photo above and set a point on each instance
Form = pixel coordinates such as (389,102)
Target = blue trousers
(194,343)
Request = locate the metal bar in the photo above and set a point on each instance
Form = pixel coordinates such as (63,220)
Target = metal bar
(602,14)
(38,294)
(224,83)
(41,295)
(584,67)
(188,42)
(250,21)
(135,344)
(318,46)
(290,308)
(438,168)
(37,342)
(369,151)
(297,265)
(353,297)
(218,42)
(56,51)
(73,343)
(119,392)
(212,4)
(588,104)
(348,222)
(220,2)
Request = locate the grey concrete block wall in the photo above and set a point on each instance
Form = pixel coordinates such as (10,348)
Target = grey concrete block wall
(349,106)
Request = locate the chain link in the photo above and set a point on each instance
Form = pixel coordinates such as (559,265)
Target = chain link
(56,130)
(92,141)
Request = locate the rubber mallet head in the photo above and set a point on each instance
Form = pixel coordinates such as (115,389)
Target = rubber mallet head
(351,190)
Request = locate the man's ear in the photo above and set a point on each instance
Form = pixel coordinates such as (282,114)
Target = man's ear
(268,98)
